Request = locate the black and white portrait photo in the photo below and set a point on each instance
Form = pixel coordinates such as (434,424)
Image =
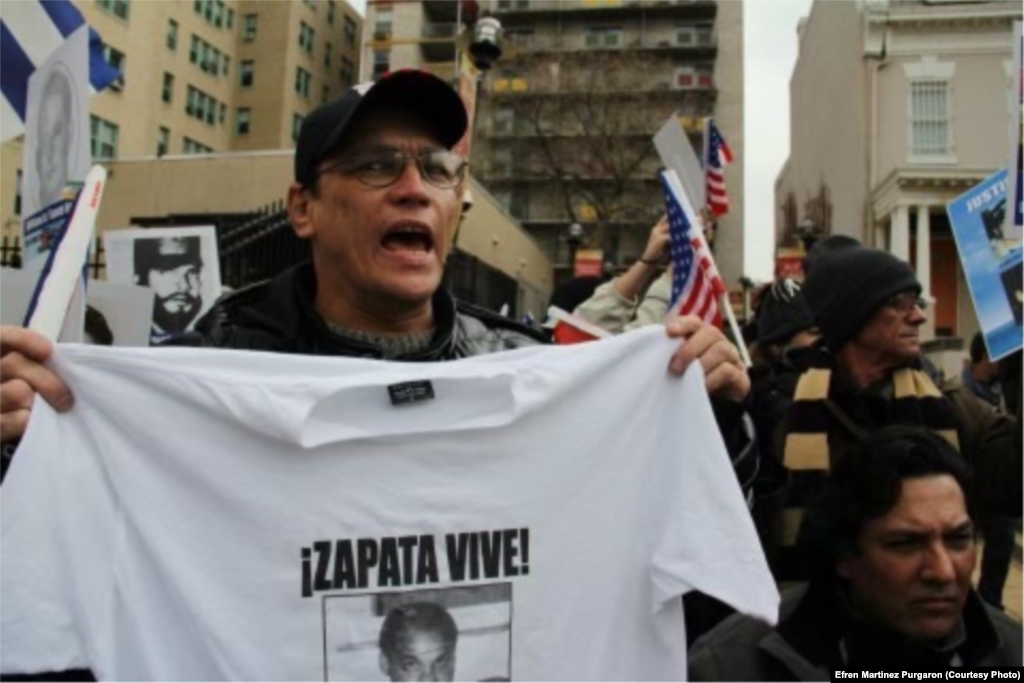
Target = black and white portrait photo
(57,125)
(453,634)
(179,265)
(56,153)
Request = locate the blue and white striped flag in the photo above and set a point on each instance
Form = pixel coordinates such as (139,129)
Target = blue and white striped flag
(30,31)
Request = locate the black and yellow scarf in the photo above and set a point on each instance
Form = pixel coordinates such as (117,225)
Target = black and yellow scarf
(817,412)
(916,401)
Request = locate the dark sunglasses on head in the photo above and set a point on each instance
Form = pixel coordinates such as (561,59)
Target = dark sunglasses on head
(382,166)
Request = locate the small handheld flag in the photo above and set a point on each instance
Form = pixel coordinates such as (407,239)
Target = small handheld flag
(717,155)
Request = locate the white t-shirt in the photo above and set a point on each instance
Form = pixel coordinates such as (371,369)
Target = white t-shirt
(213,514)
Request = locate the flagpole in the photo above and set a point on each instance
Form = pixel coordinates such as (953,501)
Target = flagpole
(725,305)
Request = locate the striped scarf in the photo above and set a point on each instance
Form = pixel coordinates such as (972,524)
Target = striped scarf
(916,401)
(815,414)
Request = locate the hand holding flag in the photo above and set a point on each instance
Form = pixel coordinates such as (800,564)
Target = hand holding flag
(697,288)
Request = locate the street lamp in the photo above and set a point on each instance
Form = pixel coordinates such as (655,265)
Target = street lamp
(574,237)
(808,232)
(486,46)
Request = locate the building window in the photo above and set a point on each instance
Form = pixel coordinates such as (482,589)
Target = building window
(190,146)
(103,138)
(225,65)
(115,58)
(348,70)
(167,92)
(311,4)
(243,121)
(350,31)
(930,130)
(17,193)
(249,26)
(381,63)
(302,80)
(382,24)
(211,10)
(598,37)
(330,12)
(229,18)
(246,73)
(327,55)
(223,113)
(305,37)
(296,126)
(208,58)
(119,8)
(172,34)
(163,141)
(325,94)
(201,106)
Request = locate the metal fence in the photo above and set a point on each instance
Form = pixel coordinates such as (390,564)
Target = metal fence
(259,245)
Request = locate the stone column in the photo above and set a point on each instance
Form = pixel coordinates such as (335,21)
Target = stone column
(899,233)
(923,267)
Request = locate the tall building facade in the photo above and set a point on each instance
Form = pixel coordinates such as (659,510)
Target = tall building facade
(566,116)
(208,76)
(898,107)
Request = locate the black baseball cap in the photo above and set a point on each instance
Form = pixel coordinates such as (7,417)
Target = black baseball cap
(410,90)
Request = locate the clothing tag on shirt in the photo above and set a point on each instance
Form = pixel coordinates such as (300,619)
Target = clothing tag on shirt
(411,392)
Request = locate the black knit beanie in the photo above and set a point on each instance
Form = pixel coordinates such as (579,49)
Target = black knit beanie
(848,286)
(783,313)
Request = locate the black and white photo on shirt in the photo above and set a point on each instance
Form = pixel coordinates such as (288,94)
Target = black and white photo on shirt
(461,633)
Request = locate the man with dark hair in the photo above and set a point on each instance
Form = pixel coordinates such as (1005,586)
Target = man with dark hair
(417,643)
(890,544)
(866,374)
(172,267)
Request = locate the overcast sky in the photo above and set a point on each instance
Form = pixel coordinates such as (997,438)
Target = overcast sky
(770,49)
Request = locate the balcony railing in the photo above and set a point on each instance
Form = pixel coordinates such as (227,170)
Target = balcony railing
(696,41)
(569,5)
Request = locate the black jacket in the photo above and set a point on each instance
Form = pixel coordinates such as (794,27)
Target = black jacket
(816,636)
(278,315)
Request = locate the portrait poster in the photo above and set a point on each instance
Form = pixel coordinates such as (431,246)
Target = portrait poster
(57,145)
(461,633)
(991,262)
(180,265)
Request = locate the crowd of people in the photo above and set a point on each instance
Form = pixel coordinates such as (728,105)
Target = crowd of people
(868,481)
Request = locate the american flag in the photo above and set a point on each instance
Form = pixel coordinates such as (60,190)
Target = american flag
(696,285)
(716,155)
(31,30)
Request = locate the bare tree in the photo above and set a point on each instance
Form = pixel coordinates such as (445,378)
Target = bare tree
(585,121)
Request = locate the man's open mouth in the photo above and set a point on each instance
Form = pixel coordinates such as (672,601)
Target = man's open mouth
(408,237)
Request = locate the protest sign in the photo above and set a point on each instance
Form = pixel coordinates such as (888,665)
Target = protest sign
(180,265)
(677,153)
(57,154)
(991,262)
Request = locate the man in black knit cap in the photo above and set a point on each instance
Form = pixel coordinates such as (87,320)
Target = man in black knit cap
(866,374)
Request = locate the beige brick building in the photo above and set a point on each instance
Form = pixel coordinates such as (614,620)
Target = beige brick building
(208,76)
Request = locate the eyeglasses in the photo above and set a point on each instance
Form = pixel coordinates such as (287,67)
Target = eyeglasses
(381,167)
(905,302)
